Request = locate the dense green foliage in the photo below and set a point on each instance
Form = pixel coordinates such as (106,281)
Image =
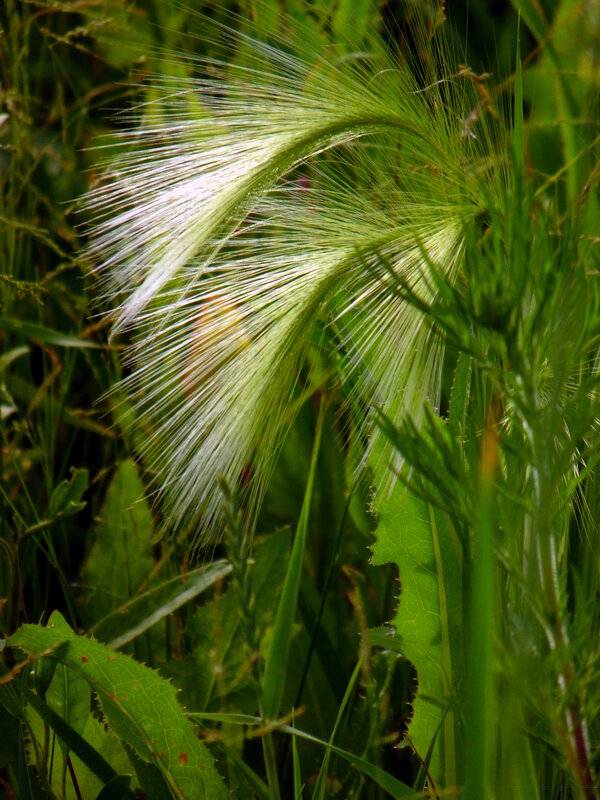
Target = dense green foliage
(438,637)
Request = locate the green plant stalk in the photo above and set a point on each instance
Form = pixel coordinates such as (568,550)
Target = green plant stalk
(576,735)
(480,698)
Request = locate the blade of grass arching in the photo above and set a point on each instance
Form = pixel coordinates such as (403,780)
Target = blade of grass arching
(39,333)
(480,689)
(319,792)
(139,614)
(277,658)
(388,782)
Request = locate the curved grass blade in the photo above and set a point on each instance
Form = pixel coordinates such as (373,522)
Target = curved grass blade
(382,778)
(136,616)
(319,792)
(46,335)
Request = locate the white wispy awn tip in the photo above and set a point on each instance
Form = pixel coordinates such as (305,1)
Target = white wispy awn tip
(250,205)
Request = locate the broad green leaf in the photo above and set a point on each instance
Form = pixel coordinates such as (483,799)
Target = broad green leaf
(429,622)
(142,612)
(140,707)
(69,696)
(121,556)
(94,758)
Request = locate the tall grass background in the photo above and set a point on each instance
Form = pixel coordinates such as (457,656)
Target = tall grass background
(438,638)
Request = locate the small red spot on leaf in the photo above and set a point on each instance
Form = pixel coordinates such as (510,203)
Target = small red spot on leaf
(84,659)
(183,758)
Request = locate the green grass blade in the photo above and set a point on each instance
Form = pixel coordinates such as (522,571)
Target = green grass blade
(6,359)
(259,787)
(31,330)
(459,396)
(532,13)
(276,664)
(297,773)
(319,792)
(142,612)
(382,778)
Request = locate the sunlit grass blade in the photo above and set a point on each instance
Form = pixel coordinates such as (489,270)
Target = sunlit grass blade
(143,611)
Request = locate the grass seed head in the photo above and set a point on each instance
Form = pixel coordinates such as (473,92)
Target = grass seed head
(251,203)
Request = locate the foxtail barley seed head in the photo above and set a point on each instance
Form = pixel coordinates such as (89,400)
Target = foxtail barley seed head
(252,203)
